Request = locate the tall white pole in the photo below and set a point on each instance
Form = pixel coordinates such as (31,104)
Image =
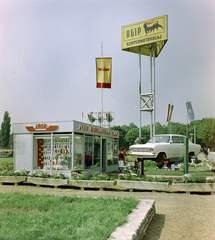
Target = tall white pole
(151,115)
(154,89)
(140,90)
(101,85)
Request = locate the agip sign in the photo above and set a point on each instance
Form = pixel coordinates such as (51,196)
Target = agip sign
(142,35)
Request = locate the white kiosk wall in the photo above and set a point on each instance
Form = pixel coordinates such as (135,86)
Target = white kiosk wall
(23,152)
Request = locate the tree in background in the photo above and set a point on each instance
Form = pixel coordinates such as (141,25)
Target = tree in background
(5,130)
(123,144)
(132,135)
(205,129)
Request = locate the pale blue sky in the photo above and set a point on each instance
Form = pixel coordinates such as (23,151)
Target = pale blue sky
(48,50)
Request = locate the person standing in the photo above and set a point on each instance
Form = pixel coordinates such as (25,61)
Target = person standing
(206,153)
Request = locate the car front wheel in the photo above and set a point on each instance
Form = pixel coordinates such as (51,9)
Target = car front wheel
(160,157)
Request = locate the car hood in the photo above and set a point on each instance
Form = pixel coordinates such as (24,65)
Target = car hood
(147,145)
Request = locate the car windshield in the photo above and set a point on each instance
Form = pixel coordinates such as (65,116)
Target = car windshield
(159,139)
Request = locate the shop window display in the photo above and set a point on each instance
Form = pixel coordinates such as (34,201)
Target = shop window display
(110,152)
(115,152)
(96,152)
(88,152)
(78,151)
(61,152)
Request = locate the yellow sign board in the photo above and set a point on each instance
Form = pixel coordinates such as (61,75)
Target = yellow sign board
(142,36)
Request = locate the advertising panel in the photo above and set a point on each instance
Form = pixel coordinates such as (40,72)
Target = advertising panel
(142,35)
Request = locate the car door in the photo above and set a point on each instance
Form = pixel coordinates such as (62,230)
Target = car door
(176,147)
(182,146)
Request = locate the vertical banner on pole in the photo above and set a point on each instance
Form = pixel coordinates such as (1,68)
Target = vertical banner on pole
(103,72)
(169,113)
(190,111)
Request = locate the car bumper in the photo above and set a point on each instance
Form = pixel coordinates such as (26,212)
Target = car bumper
(143,155)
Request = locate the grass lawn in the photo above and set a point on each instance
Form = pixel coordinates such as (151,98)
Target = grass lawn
(27,216)
(4,160)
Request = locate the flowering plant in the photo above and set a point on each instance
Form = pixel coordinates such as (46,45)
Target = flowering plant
(92,176)
(42,174)
(6,166)
(210,180)
(134,177)
(14,173)
(193,178)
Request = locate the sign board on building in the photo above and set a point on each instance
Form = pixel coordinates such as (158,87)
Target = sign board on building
(141,35)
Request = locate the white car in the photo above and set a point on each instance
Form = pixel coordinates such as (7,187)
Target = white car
(165,147)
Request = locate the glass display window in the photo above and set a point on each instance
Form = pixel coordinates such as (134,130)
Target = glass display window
(62,152)
(88,152)
(109,152)
(97,148)
(78,151)
(115,151)
(56,152)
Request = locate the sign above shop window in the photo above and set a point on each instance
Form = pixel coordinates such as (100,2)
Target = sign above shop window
(41,127)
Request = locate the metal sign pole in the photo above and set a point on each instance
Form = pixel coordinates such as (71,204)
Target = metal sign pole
(154,88)
(101,85)
(151,134)
(140,90)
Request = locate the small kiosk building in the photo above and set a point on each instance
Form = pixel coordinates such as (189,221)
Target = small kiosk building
(65,146)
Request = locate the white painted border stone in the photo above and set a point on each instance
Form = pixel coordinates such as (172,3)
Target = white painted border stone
(47,181)
(137,222)
(143,185)
(101,184)
(12,179)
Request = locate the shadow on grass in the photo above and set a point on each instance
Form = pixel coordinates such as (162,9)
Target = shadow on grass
(155,228)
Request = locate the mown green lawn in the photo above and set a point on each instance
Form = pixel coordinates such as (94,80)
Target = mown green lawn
(27,216)
(6,160)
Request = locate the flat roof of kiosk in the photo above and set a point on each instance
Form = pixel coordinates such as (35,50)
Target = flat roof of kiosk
(63,127)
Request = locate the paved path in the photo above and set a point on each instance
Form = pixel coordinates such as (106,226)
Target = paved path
(178,216)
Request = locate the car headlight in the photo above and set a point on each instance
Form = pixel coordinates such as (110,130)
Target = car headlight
(151,150)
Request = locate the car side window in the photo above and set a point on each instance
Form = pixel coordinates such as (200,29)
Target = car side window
(182,139)
(175,139)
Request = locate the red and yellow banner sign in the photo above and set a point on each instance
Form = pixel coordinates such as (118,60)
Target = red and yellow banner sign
(103,72)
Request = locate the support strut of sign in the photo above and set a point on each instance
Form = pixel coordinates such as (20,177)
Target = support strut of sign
(146,38)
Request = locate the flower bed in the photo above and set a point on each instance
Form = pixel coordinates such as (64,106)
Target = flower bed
(131,182)
(100,184)
(47,181)
(8,175)
(193,183)
(91,176)
(94,180)
(193,187)
(12,179)
(143,185)
(41,178)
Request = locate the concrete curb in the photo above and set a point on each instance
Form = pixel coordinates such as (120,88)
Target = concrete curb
(138,222)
